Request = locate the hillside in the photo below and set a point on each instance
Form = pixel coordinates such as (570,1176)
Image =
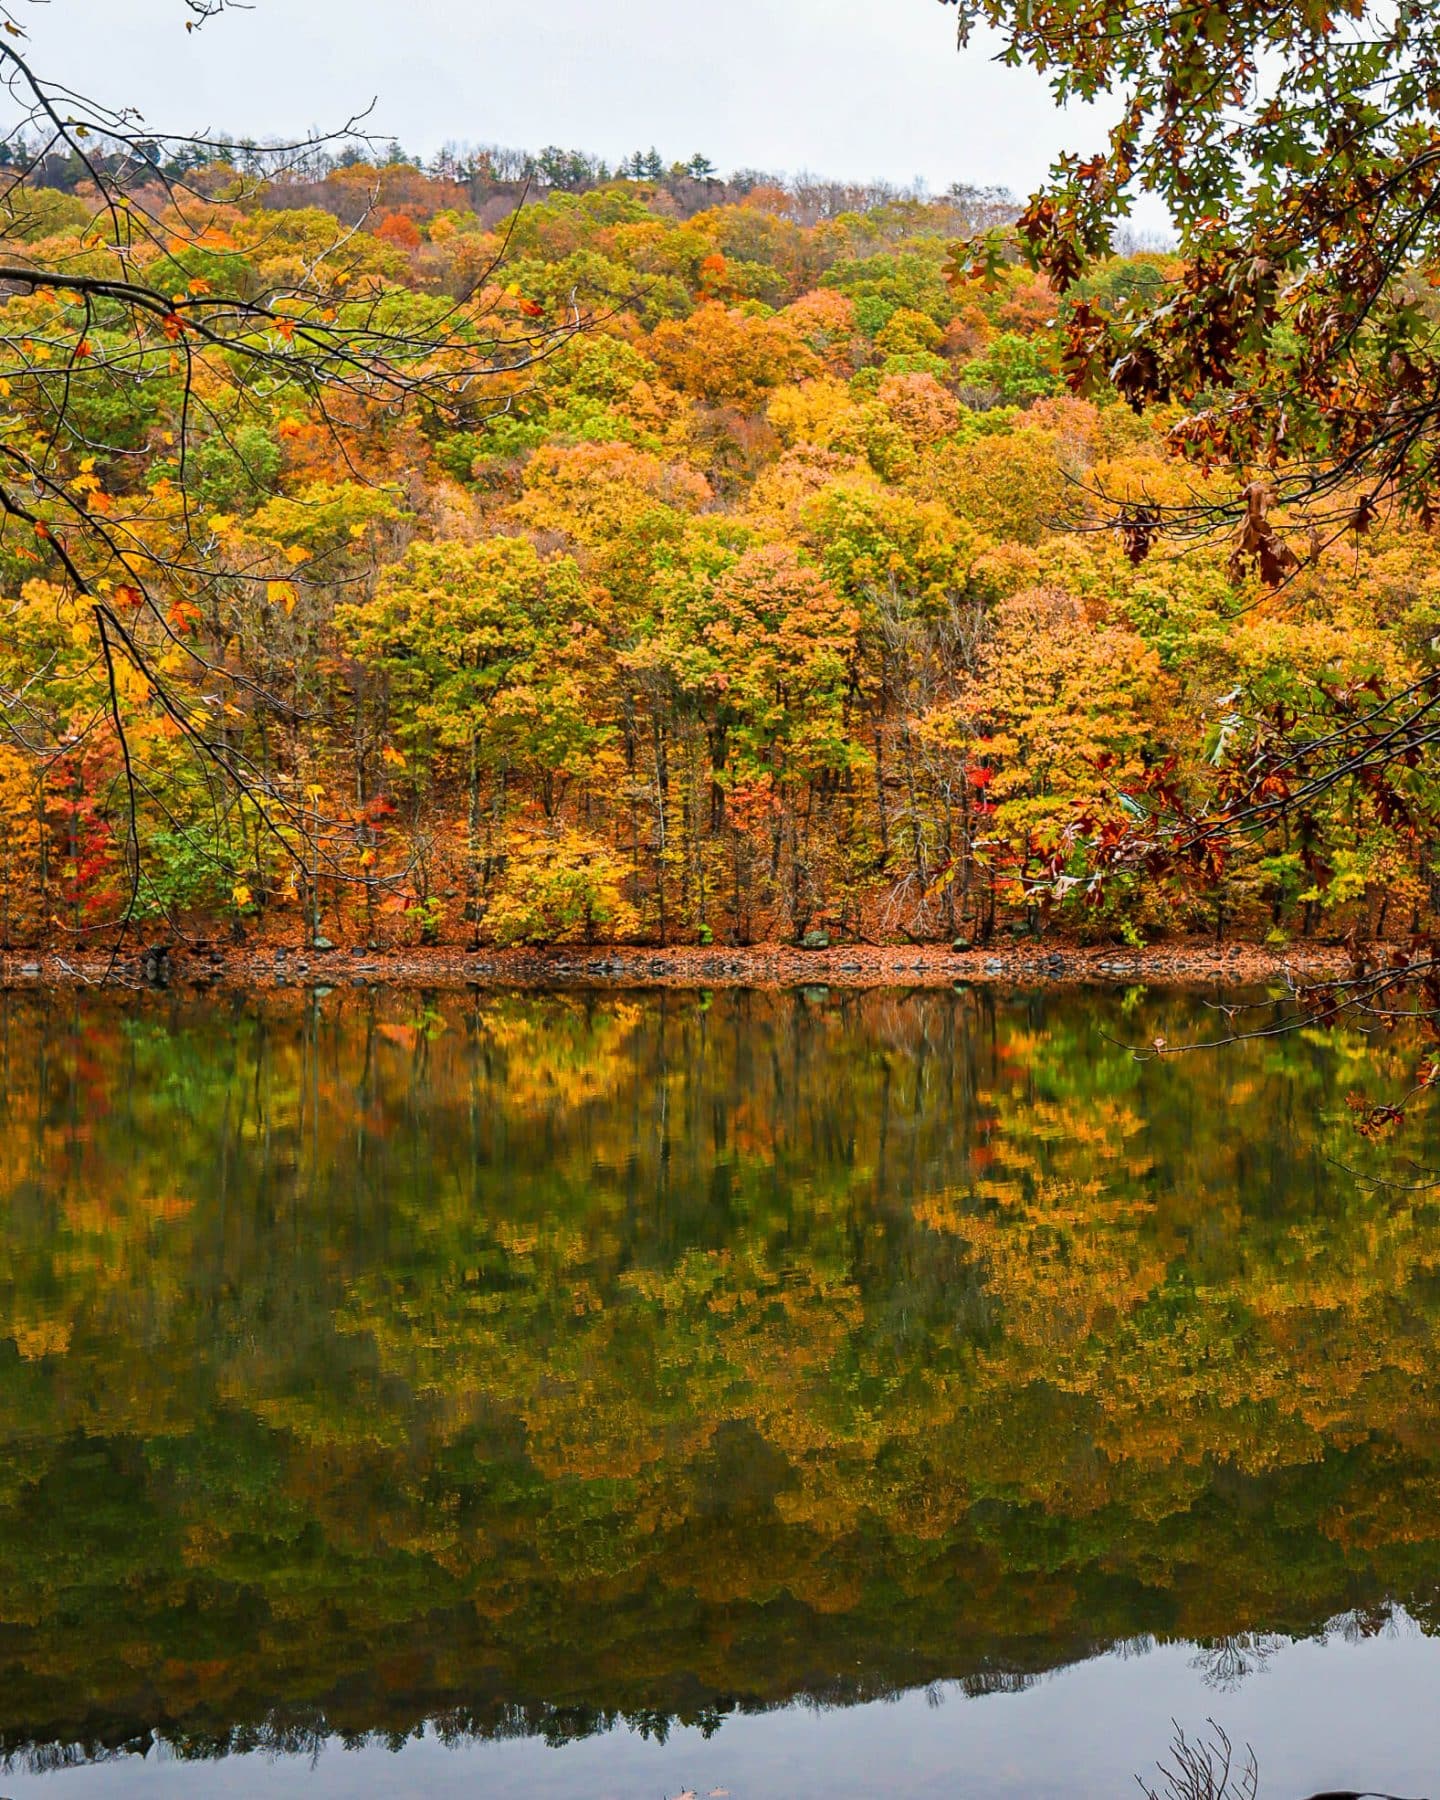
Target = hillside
(777,596)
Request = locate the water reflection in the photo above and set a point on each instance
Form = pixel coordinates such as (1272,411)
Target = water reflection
(524,1364)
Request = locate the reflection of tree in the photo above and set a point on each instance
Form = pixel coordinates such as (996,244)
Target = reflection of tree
(1226,1662)
(657,1356)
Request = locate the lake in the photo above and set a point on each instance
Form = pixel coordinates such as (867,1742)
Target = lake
(611,1394)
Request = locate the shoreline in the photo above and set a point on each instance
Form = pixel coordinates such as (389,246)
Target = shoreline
(1184,963)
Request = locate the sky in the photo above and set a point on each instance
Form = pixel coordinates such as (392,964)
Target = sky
(849,89)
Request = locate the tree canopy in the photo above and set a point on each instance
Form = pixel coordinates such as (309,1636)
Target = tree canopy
(398,553)
(1297,150)
(1290,354)
(142,357)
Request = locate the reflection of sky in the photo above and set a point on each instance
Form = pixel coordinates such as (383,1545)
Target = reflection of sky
(1319,1716)
(854,89)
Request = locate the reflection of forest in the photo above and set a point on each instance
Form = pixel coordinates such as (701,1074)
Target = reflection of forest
(522,1361)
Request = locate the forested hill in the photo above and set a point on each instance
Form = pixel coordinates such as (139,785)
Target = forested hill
(764,603)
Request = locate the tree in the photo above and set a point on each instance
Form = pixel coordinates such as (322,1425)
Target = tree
(147,324)
(1295,150)
(21,894)
(489,655)
(556,885)
(923,409)
(485,646)
(595,492)
(1060,704)
(1013,369)
(723,355)
(326,557)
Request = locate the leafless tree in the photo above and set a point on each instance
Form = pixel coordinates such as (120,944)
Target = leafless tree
(1203,1769)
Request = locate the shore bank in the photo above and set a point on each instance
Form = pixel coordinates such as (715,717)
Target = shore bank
(761,965)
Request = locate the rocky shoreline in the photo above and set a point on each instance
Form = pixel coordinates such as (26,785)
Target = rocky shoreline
(1198,962)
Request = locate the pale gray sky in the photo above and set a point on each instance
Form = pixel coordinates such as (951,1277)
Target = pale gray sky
(853,89)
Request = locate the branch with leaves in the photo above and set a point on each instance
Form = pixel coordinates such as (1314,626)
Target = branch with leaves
(128,359)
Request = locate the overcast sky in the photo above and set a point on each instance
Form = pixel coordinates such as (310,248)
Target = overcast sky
(853,89)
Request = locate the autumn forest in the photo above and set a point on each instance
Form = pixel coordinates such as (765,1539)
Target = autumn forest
(772,582)
(720,905)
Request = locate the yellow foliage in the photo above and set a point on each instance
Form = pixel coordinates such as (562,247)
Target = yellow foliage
(595,492)
(21,900)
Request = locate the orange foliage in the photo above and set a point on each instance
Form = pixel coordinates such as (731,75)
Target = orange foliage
(720,354)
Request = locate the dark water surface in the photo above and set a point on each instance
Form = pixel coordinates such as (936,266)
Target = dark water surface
(614,1394)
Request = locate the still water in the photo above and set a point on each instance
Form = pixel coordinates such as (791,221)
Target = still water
(814,1394)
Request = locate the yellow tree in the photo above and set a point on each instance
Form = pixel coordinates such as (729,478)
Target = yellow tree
(21,894)
(1062,713)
